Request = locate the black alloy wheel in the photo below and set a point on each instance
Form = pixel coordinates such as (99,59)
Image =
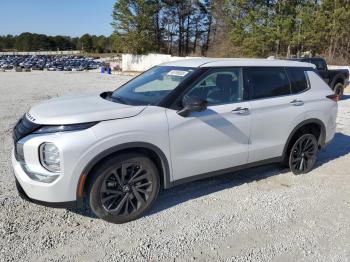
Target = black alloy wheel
(124,187)
(302,156)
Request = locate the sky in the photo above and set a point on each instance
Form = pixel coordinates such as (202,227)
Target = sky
(56,17)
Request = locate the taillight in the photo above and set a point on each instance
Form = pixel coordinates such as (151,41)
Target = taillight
(334,97)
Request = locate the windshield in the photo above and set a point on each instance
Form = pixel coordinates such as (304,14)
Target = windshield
(151,86)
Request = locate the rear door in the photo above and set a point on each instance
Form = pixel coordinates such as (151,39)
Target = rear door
(275,111)
(216,138)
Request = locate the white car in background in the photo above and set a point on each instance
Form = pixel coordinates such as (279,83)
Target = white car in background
(177,122)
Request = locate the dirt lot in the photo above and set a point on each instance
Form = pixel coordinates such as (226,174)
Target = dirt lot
(263,214)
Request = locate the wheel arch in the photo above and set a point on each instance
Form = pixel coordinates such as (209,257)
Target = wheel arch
(339,78)
(154,152)
(300,126)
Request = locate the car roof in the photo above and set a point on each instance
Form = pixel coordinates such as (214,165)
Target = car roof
(222,62)
(307,58)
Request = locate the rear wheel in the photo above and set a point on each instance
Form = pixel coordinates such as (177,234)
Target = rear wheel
(339,90)
(302,156)
(123,188)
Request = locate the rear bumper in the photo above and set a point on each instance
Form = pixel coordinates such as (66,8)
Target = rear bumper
(330,135)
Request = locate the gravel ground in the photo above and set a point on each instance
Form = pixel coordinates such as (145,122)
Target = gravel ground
(262,214)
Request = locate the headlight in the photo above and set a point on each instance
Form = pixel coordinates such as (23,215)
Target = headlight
(64,128)
(50,157)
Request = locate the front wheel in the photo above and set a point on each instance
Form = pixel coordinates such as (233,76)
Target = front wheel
(123,188)
(302,157)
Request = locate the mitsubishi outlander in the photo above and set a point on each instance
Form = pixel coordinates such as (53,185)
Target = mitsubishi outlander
(175,123)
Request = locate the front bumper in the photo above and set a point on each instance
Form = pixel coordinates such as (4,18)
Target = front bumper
(72,146)
(38,192)
(23,195)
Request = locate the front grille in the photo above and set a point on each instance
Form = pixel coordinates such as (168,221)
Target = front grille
(23,128)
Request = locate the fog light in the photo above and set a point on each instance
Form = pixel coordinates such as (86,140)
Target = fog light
(50,157)
(45,178)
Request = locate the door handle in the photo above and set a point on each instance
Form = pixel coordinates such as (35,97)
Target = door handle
(240,111)
(296,102)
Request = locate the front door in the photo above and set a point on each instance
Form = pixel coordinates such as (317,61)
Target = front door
(216,138)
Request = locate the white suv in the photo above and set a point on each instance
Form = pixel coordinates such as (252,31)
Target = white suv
(177,122)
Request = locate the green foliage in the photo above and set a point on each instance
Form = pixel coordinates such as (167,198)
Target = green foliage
(167,26)
(282,28)
(234,28)
(134,26)
(39,42)
(86,43)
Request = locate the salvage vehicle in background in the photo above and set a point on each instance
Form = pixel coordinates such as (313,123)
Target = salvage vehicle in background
(337,79)
(175,123)
(48,62)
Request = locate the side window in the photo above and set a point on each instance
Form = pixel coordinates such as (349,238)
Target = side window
(267,82)
(219,86)
(298,79)
(319,63)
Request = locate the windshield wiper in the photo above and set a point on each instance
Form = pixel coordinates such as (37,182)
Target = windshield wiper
(118,99)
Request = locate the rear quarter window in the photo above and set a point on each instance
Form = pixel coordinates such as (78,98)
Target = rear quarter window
(298,80)
(319,63)
(267,82)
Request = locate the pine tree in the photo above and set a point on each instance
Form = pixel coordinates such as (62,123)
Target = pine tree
(134,25)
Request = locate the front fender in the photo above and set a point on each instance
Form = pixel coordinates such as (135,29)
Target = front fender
(112,136)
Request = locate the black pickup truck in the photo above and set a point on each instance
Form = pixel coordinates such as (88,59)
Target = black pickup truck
(337,79)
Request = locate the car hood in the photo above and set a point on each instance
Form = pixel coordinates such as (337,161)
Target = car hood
(80,109)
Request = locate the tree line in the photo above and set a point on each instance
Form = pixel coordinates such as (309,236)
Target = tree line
(284,28)
(234,28)
(165,26)
(41,42)
(217,28)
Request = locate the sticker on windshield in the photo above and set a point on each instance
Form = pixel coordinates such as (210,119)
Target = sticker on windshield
(177,73)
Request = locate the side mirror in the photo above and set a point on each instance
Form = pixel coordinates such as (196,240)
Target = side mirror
(192,104)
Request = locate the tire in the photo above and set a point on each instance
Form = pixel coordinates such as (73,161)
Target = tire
(339,90)
(302,156)
(123,188)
